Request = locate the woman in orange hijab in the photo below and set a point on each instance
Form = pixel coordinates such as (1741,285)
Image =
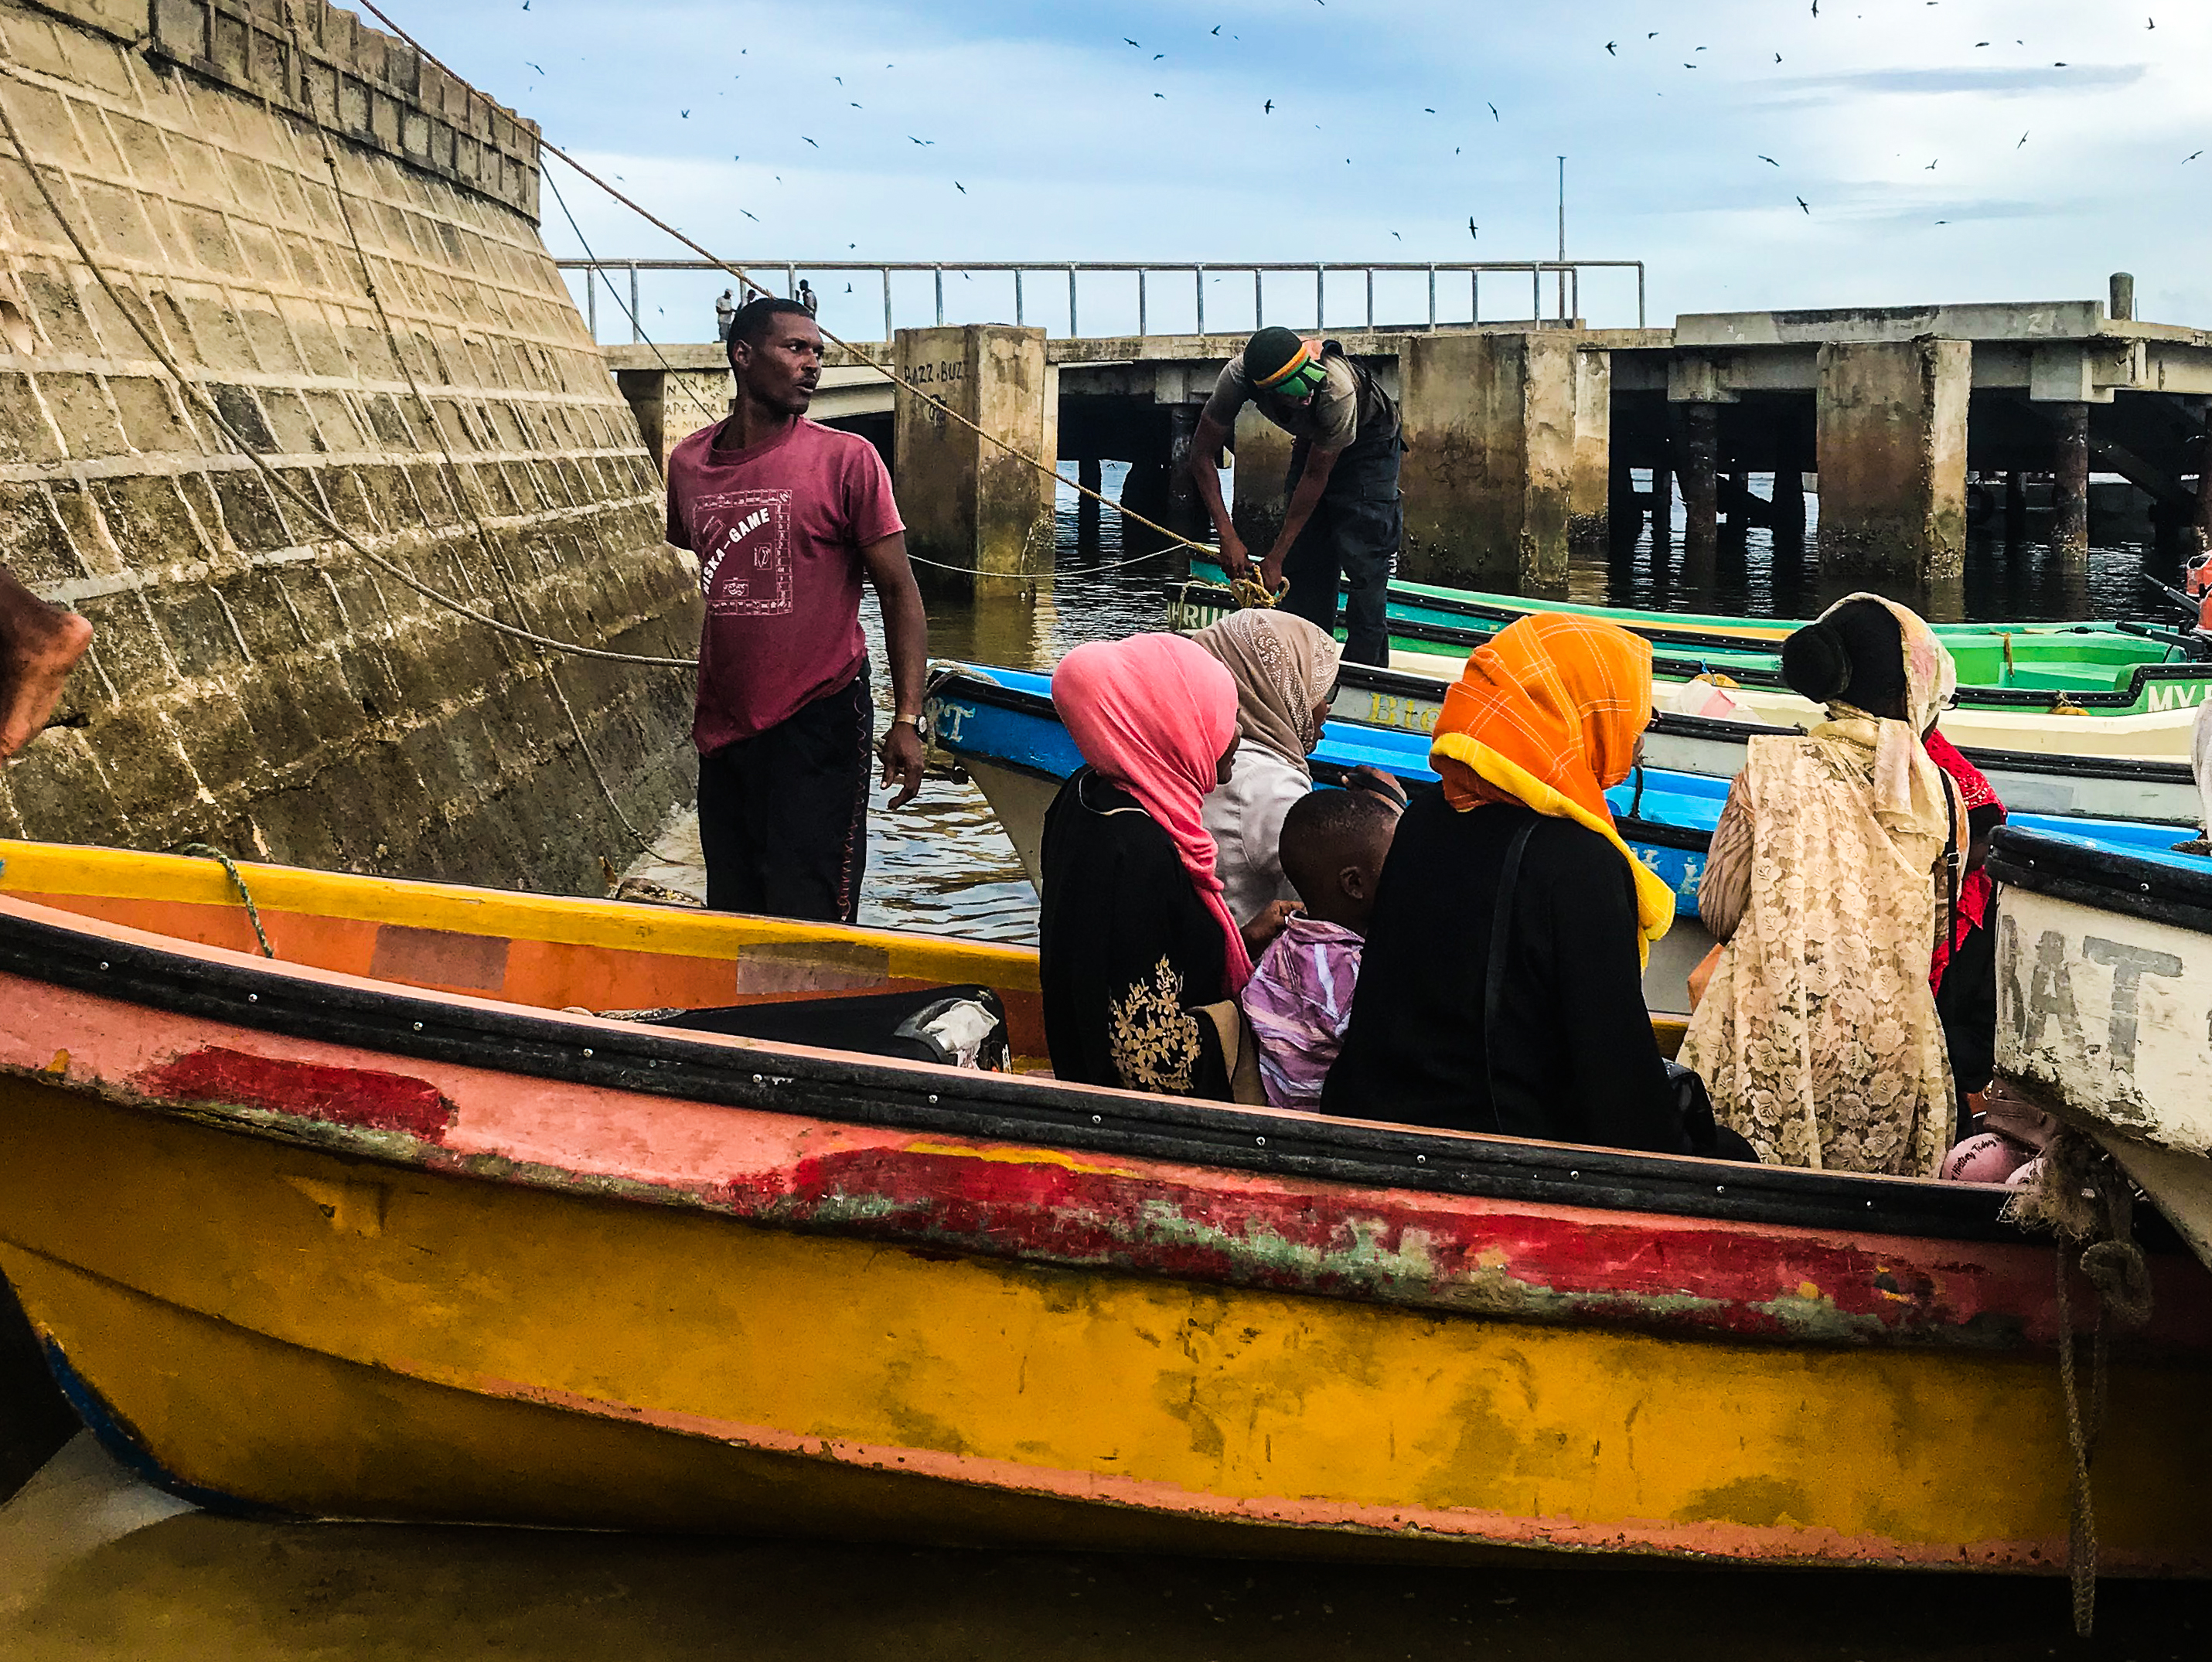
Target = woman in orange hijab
(1501,989)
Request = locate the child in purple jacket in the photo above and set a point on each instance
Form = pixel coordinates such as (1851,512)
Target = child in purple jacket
(1299,997)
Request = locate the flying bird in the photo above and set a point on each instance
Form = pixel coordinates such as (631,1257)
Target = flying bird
(1494,116)
(1612,48)
(1427,111)
(749,214)
(1777,58)
(1157,55)
(1268,108)
(1816,8)
(2186,160)
(1930,167)
(958,187)
(1770,161)
(686,114)
(1159,94)
(1126,40)
(1473,230)
(809,140)
(1393,233)
(1801,201)
(2023,139)
(530,66)
(1216,29)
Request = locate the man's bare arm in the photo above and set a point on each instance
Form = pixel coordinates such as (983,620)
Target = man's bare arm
(1205,446)
(1303,500)
(906,635)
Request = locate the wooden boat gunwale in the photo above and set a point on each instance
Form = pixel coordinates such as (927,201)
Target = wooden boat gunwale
(2154,890)
(214,985)
(2120,701)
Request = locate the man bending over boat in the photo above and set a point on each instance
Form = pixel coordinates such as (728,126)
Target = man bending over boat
(40,644)
(1343,518)
(785,516)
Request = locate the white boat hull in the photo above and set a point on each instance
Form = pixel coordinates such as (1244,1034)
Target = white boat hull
(2105,1016)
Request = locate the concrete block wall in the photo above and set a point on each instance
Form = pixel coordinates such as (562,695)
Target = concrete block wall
(253,682)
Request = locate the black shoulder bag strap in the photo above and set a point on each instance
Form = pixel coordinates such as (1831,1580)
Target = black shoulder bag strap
(1493,991)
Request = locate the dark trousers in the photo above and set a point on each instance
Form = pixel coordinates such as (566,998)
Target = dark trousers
(783,815)
(1352,537)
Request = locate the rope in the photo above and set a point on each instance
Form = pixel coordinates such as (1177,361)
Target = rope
(462,494)
(761,289)
(2081,1442)
(194,395)
(637,325)
(2085,1199)
(208,851)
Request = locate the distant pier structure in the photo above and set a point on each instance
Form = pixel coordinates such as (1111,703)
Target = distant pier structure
(1530,437)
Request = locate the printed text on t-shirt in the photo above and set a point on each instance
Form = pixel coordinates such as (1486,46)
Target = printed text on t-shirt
(743,539)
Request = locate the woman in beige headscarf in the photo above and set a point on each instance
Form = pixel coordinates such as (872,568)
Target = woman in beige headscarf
(1830,871)
(1285,670)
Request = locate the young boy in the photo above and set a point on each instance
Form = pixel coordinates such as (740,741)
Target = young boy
(1299,997)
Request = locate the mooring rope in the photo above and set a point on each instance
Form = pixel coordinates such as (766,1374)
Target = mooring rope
(463,493)
(193,394)
(865,361)
(208,851)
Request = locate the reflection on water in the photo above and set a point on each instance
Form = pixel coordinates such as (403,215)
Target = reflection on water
(2028,581)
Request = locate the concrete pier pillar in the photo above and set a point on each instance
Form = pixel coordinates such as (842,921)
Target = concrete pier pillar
(2016,505)
(966,502)
(1509,442)
(1090,474)
(2070,485)
(1262,453)
(1184,513)
(1789,505)
(1698,453)
(1892,447)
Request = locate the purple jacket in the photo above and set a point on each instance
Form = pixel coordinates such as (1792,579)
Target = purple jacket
(1298,1000)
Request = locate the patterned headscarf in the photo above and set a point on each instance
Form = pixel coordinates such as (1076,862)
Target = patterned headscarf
(1283,667)
(1547,714)
(1909,793)
(1153,713)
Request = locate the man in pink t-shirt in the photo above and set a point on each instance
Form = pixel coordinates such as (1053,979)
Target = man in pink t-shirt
(784,515)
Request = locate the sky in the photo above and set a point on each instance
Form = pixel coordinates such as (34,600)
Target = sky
(1945,151)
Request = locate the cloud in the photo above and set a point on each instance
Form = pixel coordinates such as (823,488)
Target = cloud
(1990,82)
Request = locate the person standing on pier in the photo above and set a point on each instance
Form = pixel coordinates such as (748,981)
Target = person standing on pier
(786,516)
(1343,520)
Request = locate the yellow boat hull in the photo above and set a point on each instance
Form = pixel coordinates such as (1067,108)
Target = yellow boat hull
(330,1337)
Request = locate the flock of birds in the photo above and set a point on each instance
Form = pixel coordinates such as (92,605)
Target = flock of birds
(1269,106)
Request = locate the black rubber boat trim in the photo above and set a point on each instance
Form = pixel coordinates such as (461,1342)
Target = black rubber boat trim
(2110,882)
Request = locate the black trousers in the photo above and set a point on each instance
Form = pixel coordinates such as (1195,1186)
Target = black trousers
(1353,537)
(783,815)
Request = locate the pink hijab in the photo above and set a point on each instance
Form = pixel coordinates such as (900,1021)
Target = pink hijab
(1152,714)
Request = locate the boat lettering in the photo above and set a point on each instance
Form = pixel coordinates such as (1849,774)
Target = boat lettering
(945,719)
(2129,965)
(1406,715)
(2175,695)
(2049,991)
(2050,988)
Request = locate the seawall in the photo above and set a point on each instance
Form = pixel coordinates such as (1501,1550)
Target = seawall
(253,682)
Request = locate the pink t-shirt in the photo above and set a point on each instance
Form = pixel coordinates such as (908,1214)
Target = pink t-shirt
(778,530)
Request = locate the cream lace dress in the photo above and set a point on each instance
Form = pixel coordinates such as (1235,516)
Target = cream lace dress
(1818,1035)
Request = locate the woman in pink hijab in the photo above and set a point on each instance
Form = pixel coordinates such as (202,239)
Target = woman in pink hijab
(1141,961)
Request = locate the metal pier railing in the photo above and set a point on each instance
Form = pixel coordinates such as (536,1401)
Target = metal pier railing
(1567,275)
